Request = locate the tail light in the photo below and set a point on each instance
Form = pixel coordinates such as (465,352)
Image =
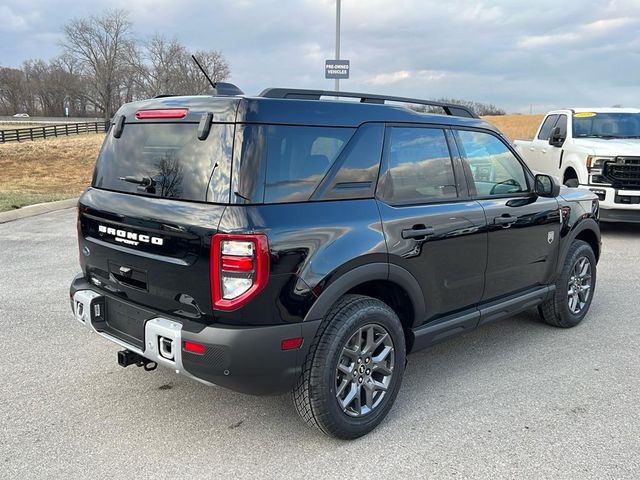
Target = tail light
(239,269)
(162,113)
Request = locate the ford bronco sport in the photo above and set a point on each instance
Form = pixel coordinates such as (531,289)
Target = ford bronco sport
(288,243)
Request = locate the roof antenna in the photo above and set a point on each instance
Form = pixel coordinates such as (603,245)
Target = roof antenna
(220,88)
(204,72)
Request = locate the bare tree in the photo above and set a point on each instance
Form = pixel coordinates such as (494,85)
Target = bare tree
(166,67)
(102,67)
(13,91)
(103,45)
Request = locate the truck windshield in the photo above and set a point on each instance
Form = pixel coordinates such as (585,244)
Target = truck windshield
(606,125)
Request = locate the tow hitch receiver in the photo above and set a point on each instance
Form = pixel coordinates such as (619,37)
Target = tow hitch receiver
(127,357)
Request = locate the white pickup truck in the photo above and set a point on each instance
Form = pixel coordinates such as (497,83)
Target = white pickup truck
(593,148)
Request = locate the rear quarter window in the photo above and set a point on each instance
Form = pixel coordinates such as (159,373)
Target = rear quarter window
(283,163)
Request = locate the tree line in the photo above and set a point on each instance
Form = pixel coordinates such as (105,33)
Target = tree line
(479,108)
(101,66)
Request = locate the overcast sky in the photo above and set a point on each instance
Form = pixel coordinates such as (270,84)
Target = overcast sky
(513,53)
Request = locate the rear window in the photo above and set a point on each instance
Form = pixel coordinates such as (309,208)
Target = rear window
(281,163)
(167,160)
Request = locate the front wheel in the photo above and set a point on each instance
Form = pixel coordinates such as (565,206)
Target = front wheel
(354,368)
(574,288)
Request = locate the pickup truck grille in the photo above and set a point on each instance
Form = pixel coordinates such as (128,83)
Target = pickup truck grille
(623,172)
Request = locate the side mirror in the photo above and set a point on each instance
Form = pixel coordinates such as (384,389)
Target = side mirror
(546,186)
(556,139)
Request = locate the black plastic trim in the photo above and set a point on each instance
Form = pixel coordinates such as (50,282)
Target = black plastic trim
(467,320)
(514,304)
(249,359)
(367,273)
(352,278)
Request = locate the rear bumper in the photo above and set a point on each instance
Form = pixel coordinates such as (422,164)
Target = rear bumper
(244,359)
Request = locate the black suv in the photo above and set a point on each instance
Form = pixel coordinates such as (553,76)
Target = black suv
(285,243)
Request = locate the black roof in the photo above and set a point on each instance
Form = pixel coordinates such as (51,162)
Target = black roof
(274,106)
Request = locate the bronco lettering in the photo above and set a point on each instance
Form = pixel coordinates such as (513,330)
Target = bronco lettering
(131,237)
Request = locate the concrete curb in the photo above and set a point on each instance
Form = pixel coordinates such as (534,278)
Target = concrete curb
(37,209)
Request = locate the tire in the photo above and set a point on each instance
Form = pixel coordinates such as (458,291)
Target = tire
(561,310)
(353,320)
(572,182)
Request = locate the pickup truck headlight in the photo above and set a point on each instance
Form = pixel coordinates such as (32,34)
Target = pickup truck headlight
(595,161)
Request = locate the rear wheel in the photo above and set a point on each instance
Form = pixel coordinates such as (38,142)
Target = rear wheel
(354,368)
(574,288)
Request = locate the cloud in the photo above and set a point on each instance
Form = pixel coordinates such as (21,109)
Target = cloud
(401,75)
(481,13)
(388,78)
(513,53)
(586,31)
(13,22)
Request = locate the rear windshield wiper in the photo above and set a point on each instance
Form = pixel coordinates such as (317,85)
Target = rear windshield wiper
(142,181)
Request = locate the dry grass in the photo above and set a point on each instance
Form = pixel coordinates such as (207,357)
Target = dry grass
(516,126)
(56,168)
(13,126)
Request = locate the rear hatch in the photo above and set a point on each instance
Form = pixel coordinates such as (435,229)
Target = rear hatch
(159,190)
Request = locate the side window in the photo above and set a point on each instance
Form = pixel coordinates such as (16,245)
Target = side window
(562,123)
(298,159)
(281,163)
(494,169)
(548,124)
(418,167)
(354,173)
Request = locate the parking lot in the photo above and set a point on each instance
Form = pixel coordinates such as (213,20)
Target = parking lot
(516,399)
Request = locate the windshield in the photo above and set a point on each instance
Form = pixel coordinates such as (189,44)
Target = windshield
(606,125)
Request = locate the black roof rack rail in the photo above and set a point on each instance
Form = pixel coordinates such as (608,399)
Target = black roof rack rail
(304,94)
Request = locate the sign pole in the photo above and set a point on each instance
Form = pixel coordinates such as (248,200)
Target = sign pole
(337,39)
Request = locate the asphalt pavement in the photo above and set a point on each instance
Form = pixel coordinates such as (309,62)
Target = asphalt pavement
(515,399)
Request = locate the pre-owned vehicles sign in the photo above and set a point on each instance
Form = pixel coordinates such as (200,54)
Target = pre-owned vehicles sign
(337,69)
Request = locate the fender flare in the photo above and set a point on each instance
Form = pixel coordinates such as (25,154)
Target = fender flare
(586,224)
(363,274)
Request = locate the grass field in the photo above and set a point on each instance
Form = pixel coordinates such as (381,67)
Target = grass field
(59,168)
(13,126)
(516,126)
(46,170)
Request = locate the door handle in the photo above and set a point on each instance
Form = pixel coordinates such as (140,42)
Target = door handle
(505,220)
(532,149)
(418,231)
(544,150)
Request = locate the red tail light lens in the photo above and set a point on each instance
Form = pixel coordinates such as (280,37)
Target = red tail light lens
(193,347)
(291,343)
(162,113)
(239,269)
